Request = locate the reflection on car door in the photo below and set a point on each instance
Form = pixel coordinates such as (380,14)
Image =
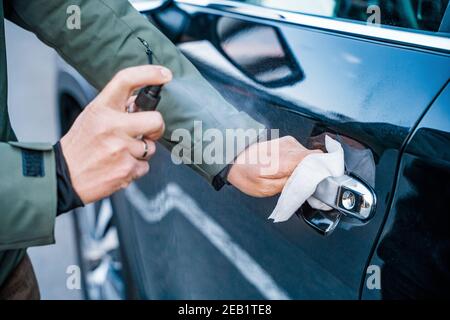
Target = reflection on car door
(194,242)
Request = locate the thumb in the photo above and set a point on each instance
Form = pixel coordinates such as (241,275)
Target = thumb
(125,82)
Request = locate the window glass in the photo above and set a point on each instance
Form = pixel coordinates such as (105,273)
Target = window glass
(423,15)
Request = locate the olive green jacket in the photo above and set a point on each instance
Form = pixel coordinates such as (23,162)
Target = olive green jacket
(106,43)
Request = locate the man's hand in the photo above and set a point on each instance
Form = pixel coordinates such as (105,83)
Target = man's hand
(101,149)
(263,168)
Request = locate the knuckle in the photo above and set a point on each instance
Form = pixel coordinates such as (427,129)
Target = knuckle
(106,132)
(286,172)
(151,148)
(104,122)
(129,168)
(121,174)
(125,184)
(144,169)
(157,120)
(290,140)
(117,148)
(122,77)
(266,189)
(125,171)
(286,167)
(120,74)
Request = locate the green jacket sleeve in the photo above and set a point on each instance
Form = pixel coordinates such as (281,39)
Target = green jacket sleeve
(108,41)
(28,193)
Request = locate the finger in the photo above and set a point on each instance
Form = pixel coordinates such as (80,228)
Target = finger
(141,149)
(130,106)
(296,157)
(270,187)
(126,81)
(131,100)
(149,124)
(279,185)
(141,169)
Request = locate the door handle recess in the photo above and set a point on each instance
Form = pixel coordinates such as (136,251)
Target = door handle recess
(348,195)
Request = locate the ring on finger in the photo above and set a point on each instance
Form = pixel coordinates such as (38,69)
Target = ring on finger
(145,148)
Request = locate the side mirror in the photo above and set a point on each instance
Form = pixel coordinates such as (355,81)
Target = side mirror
(259,51)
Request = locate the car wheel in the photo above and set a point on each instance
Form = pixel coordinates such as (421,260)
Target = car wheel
(99,252)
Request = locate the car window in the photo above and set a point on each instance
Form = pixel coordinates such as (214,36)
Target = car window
(425,15)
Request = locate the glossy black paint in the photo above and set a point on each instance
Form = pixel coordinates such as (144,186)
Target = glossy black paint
(369,91)
(414,249)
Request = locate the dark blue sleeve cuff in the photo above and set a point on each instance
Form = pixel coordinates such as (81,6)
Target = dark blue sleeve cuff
(221,178)
(68,198)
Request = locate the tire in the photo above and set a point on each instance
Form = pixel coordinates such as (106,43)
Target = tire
(99,252)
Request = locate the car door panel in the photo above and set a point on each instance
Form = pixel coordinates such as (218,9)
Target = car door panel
(413,250)
(219,252)
(194,242)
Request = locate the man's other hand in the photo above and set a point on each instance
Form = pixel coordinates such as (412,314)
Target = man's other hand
(101,149)
(263,168)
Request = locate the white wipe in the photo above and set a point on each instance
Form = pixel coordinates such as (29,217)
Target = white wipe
(307,175)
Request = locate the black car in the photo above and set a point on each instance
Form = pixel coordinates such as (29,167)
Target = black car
(372,74)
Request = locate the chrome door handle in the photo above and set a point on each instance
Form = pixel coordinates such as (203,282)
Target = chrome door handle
(348,196)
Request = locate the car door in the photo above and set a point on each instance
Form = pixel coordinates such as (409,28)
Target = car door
(308,69)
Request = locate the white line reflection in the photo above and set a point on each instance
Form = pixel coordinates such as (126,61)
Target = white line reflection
(172,197)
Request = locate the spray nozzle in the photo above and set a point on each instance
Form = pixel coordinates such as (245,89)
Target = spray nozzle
(148,98)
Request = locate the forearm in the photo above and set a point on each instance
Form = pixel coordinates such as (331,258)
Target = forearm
(108,41)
